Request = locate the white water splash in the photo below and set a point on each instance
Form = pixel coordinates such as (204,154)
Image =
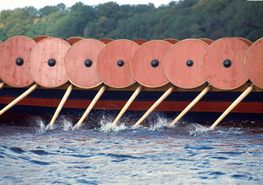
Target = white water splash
(107,126)
(159,124)
(198,129)
(66,124)
(40,126)
(110,127)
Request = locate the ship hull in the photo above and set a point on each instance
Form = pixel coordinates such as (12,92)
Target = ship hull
(44,101)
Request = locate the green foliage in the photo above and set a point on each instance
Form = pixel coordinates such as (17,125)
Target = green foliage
(182,19)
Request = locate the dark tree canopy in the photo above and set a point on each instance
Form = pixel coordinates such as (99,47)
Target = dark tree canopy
(180,19)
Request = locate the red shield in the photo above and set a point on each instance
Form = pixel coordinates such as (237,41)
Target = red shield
(183,63)
(147,63)
(81,63)
(224,63)
(47,62)
(14,54)
(114,62)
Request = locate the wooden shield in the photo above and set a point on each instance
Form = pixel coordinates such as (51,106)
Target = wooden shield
(171,40)
(183,63)
(254,63)
(147,63)
(224,63)
(14,61)
(47,62)
(73,40)
(81,63)
(114,61)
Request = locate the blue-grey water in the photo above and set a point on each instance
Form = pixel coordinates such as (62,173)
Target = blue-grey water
(156,154)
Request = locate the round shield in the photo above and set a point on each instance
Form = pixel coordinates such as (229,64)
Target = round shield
(73,40)
(40,37)
(81,63)
(106,40)
(224,63)
(254,63)
(114,61)
(183,63)
(14,65)
(140,41)
(147,63)
(47,62)
(207,40)
(171,40)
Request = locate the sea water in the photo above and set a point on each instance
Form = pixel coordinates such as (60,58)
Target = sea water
(154,154)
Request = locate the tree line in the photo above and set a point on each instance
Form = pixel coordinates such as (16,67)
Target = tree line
(179,19)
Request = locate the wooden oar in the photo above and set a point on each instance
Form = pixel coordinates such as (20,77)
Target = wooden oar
(232,106)
(2,85)
(18,99)
(91,105)
(197,99)
(153,107)
(127,105)
(60,106)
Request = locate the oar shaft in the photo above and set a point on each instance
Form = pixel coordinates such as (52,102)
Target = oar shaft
(190,106)
(153,107)
(232,106)
(1,85)
(90,107)
(19,98)
(127,105)
(61,104)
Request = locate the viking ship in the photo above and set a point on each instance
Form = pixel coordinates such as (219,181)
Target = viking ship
(195,78)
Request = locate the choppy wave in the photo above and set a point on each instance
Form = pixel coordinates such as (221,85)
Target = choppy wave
(105,152)
(156,152)
(155,123)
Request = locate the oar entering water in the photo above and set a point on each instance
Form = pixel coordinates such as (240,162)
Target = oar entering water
(127,104)
(153,107)
(47,60)
(90,107)
(60,106)
(190,106)
(225,70)
(232,106)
